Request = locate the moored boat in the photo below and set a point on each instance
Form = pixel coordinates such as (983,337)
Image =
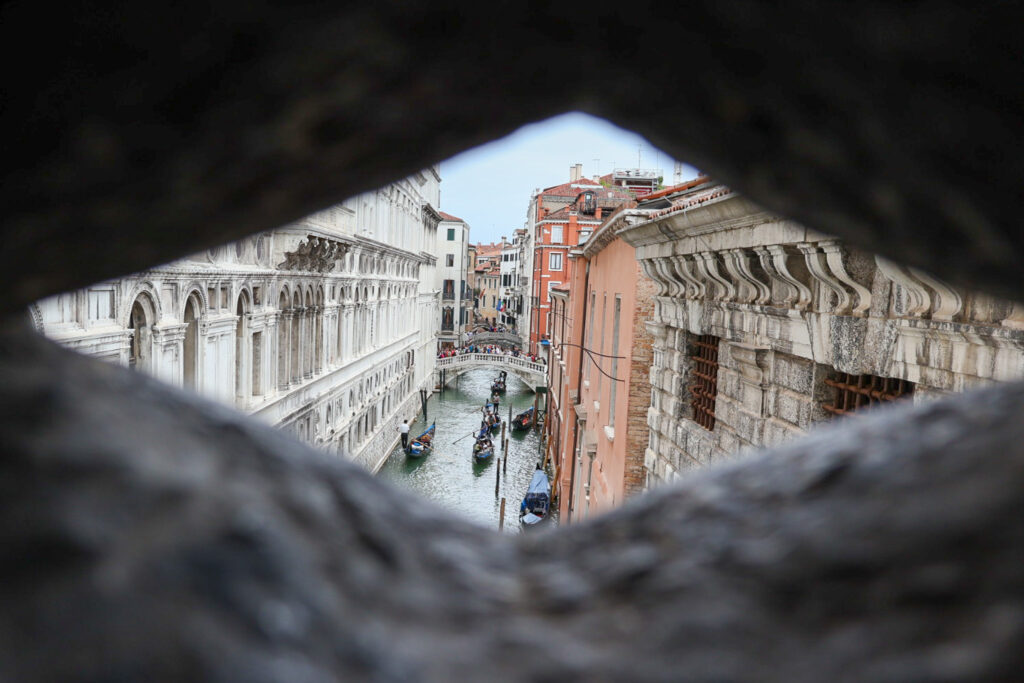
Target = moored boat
(422,444)
(536,504)
(523,420)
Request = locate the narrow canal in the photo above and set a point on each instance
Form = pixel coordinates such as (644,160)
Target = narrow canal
(449,475)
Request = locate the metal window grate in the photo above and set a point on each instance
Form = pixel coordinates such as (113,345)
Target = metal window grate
(857,392)
(704,373)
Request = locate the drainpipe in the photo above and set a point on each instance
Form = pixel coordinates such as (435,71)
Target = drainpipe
(579,392)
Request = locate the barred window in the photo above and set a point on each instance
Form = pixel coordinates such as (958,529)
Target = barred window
(857,392)
(704,377)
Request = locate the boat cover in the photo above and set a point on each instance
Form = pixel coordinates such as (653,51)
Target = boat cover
(539,483)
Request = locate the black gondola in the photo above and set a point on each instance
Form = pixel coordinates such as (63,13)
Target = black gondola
(523,421)
(483,449)
(498,387)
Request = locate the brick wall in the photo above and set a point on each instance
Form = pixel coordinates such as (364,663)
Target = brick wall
(639,400)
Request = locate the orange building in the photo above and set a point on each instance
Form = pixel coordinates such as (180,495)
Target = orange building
(597,424)
(564,216)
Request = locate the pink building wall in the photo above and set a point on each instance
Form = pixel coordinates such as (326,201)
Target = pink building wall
(603,464)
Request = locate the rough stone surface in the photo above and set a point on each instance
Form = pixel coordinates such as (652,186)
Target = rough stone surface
(149,536)
(198,545)
(141,134)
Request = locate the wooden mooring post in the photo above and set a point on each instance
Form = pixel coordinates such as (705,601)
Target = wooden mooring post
(501,516)
(497,478)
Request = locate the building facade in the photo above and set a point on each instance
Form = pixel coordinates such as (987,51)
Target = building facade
(561,217)
(306,327)
(488,281)
(599,386)
(765,328)
(453,262)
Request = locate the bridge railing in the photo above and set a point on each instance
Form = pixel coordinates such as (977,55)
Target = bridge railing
(491,358)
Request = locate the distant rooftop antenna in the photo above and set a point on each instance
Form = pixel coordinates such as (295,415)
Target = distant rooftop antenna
(639,149)
(678,175)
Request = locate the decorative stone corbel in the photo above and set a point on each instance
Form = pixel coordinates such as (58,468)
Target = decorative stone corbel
(773,260)
(834,257)
(687,270)
(708,262)
(746,292)
(920,299)
(762,293)
(651,272)
(664,268)
(949,301)
(818,267)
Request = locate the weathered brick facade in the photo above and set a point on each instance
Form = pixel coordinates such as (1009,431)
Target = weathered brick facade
(639,395)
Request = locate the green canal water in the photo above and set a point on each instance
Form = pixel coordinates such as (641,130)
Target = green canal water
(449,476)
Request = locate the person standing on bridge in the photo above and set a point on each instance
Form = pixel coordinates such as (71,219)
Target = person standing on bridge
(404,429)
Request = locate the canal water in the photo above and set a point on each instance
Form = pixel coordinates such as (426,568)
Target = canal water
(449,475)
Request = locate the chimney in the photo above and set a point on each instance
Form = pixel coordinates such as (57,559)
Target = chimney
(575,173)
(597,213)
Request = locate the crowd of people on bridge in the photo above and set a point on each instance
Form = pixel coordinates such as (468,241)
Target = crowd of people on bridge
(514,352)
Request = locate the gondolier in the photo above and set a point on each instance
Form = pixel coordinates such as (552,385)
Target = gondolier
(404,429)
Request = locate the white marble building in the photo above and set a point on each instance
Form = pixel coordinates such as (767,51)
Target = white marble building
(306,326)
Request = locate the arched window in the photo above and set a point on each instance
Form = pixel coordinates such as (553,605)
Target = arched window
(295,374)
(242,359)
(190,356)
(282,341)
(140,322)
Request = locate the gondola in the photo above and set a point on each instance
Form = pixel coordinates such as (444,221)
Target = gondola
(422,444)
(498,387)
(535,506)
(490,410)
(483,449)
(522,421)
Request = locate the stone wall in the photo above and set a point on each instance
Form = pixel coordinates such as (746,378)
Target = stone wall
(793,308)
(151,535)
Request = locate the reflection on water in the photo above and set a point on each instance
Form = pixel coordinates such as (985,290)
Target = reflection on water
(449,475)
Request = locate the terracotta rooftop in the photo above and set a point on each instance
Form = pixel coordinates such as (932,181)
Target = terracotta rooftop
(449,217)
(485,250)
(695,199)
(681,187)
(567,189)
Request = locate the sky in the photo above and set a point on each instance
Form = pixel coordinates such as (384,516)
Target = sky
(490,186)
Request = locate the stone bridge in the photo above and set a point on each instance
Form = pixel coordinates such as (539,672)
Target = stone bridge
(533,374)
(503,338)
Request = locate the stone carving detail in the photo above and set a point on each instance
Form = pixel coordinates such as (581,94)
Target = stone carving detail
(920,299)
(316,254)
(834,258)
(738,264)
(664,268)
(651,272)
(817,264)
(707,264)
(773,261)
(949,301)
(685,268)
